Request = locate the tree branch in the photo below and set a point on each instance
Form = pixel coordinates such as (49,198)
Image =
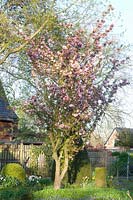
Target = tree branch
(19,48)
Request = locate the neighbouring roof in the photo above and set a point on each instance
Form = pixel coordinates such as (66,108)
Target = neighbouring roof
(6,113)
(122,130)
(124,136)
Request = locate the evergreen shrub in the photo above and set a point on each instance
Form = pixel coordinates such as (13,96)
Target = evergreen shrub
(100,176)
(84,175)
(80,165)
(14,170)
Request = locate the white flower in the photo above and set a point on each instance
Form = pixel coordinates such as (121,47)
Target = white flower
(33,178)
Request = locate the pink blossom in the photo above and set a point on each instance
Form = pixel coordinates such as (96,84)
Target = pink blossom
(66,98)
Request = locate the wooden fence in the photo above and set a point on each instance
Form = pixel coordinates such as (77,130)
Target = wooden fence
(23,153)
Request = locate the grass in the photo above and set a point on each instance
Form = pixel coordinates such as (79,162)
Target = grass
(87,193)
(125,184)
(122,190)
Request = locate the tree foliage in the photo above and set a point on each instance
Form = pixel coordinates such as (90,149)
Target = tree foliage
(21,22)
(75,72)
(76,77)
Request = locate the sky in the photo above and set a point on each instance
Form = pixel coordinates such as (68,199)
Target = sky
(125,9)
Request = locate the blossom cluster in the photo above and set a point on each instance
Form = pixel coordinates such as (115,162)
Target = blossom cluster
(76,79)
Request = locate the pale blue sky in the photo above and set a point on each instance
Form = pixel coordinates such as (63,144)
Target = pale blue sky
(125,8)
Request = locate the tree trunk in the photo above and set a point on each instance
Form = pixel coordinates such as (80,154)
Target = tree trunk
(60,172)
(57,180)
(61,161)
(57,183)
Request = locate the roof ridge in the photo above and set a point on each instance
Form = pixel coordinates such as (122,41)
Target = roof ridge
(2,92)
(6,113)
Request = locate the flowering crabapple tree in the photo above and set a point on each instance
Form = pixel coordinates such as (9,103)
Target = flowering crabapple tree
(75,79)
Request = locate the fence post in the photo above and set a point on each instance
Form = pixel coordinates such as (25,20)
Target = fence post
(21,152)
(117,175)
(128,166)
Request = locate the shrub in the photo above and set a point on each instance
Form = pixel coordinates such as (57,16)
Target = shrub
(116,153)
(37,180)
(84,175)
(78,162)
(23,193)
(120,164)
(9,181)
(20,193)
(45,181)
(14,170)
(110,182)
(100,177)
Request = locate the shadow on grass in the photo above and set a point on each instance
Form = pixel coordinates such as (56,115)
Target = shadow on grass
(18,193)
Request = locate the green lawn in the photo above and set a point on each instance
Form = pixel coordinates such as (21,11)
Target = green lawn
(43,190)
(87,193)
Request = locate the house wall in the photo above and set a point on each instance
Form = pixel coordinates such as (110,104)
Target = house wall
(7,130)
(111,141)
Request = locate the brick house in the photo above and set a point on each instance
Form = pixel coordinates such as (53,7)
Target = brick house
(8,118)
(120,139)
